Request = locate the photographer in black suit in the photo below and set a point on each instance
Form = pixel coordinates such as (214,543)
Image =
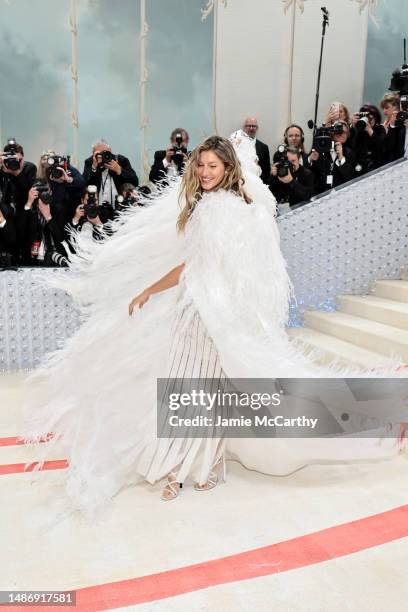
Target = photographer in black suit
(44,221)
(170,162)
(17,176)
(108,172)
(396,140)
(336,166)
(290,181)
(367,139)
(251,127)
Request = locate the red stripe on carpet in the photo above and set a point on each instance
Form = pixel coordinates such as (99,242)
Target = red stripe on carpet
(302,551)
(18,468)
(17,441)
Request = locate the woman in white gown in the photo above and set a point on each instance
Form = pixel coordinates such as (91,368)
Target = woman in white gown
(220,314)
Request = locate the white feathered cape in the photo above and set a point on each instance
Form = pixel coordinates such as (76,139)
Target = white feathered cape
(98,394)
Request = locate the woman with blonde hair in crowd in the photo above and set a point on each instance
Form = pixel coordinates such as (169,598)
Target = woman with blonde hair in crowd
(337,112)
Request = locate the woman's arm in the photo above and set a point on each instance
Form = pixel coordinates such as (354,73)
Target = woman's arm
(171,279)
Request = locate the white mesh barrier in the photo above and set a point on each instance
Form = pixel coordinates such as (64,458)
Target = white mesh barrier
(343,241)
(338,244)
(33,320)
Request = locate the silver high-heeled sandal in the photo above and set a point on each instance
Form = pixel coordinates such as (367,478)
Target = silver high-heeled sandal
(213,477)
(172,488)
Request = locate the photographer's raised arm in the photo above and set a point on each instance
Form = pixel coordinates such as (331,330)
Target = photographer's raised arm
(171,279)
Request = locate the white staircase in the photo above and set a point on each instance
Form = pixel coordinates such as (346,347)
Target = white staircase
(365,330)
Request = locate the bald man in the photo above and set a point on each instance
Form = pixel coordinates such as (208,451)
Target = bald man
(250,127)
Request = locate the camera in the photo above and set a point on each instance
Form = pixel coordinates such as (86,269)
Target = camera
(91,206)
(105,157)
(399,80)
(402,115)
(11,160)
(179,150)
(43,192)
(123,202)
(363,121)
(283,165)
(322,141)
(56,165)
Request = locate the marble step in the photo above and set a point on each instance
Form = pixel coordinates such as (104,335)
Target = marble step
(371,335)
(382,310)
(331,348)
(391,289)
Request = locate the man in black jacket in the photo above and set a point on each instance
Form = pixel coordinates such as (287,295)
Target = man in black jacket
(170,162)
(44,221)
(336,167)
(251,127)
(296,185)
(367,139)
(108,172)
(15,185)
(396,140)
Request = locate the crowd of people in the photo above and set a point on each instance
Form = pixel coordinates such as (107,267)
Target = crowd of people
(42,206)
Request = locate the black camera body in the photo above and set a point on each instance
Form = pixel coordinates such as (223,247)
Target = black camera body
(283,165)
(402,115)
(11,160)
(179,151)
(57,164)
(105,158)
(323,139)
(124,202)
(91,206)
(43,192)
(363,121)
(399,80)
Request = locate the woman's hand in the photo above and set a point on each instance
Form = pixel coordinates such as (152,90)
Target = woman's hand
(140,300)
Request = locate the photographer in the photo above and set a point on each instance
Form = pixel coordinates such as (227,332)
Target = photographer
(17,176)
(44,223)
(396,140)
(390,104)
(108,172)
(170,163)
(367,139)
(337,112)
(333,163)
(294,137)
(65,182)
(8,238)
(90,216)
(290,181)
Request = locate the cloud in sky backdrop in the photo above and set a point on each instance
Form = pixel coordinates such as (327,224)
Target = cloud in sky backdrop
(36,90)
(35,55)
(384,49)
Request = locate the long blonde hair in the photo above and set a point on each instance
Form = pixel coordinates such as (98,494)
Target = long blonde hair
(41,171)
(191,191)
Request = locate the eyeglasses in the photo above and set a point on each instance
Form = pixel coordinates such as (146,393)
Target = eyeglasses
(248,125)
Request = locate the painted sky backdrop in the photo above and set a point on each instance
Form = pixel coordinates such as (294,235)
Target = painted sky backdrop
(35,55)
(385,49)
(36,93)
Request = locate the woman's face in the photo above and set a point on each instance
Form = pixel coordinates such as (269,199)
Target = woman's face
(389,109)
(44,160)
(342,113)
(210,170)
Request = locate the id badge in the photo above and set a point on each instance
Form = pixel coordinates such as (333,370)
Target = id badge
(330,180)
